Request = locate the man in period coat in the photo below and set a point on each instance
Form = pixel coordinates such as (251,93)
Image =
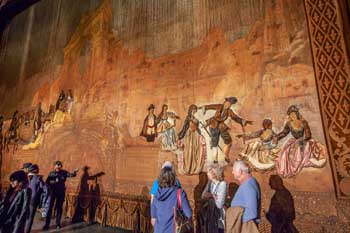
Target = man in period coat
(217,125)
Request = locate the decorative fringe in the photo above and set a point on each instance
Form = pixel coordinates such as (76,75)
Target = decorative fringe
(116,210)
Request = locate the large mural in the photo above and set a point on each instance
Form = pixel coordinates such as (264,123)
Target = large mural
(204,105)
(122,102)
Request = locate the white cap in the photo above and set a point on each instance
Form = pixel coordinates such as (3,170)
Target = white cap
(167,164)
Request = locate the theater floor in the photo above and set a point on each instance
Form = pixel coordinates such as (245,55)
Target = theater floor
(68,227)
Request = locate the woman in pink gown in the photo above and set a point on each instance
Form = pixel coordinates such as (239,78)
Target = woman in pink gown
(301,150)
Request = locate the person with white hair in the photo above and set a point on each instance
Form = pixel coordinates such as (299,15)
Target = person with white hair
(248,194)
(214,195)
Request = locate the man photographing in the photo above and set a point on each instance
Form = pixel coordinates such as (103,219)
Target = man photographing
(57,189)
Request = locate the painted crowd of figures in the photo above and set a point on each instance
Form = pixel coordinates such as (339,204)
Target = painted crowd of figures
(299,151)
(200,137)
(35,118)
(263,149)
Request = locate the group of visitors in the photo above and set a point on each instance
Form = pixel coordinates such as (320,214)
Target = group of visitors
(242,216)
(28,192)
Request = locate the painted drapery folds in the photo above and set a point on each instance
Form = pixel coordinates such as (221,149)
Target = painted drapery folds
(130,84)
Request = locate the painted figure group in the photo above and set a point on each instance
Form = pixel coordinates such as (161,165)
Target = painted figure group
(298,152)
(35,118)
(28,193)
(262,149)
(190,144)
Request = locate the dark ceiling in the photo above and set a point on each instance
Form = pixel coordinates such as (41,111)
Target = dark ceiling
(10,8)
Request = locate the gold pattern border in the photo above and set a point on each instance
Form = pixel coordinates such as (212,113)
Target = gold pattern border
(331,65)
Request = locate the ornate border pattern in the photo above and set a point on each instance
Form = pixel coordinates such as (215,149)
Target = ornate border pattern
(331,64)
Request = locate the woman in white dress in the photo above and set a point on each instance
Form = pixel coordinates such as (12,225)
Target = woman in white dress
(166,122)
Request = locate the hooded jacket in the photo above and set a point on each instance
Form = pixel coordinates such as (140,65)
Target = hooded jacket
(162,208)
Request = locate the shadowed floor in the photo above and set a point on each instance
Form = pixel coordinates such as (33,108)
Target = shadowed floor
(68,227)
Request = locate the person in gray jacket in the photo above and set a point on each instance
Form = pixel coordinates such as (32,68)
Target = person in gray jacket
(212,213)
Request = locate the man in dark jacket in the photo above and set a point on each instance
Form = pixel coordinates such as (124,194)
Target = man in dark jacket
(15,207)
(37,187)
(57,189)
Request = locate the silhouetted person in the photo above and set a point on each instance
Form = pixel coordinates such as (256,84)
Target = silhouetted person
(56,184)
(37,186)
(15,207)
(95,192)
(26,167)
(281,212)
(86,196)
(197,194)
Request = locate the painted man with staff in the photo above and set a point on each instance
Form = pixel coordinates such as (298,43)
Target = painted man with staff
(218,127)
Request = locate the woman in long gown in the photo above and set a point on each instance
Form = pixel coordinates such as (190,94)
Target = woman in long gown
(301,150)
(192,145)
(260,151)
(166,128)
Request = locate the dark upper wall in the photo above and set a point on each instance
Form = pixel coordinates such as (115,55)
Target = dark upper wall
(162,27)
(35,39)
(37,36)
(32,47)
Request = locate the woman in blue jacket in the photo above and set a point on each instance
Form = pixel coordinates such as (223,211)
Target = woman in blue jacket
(164,202)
